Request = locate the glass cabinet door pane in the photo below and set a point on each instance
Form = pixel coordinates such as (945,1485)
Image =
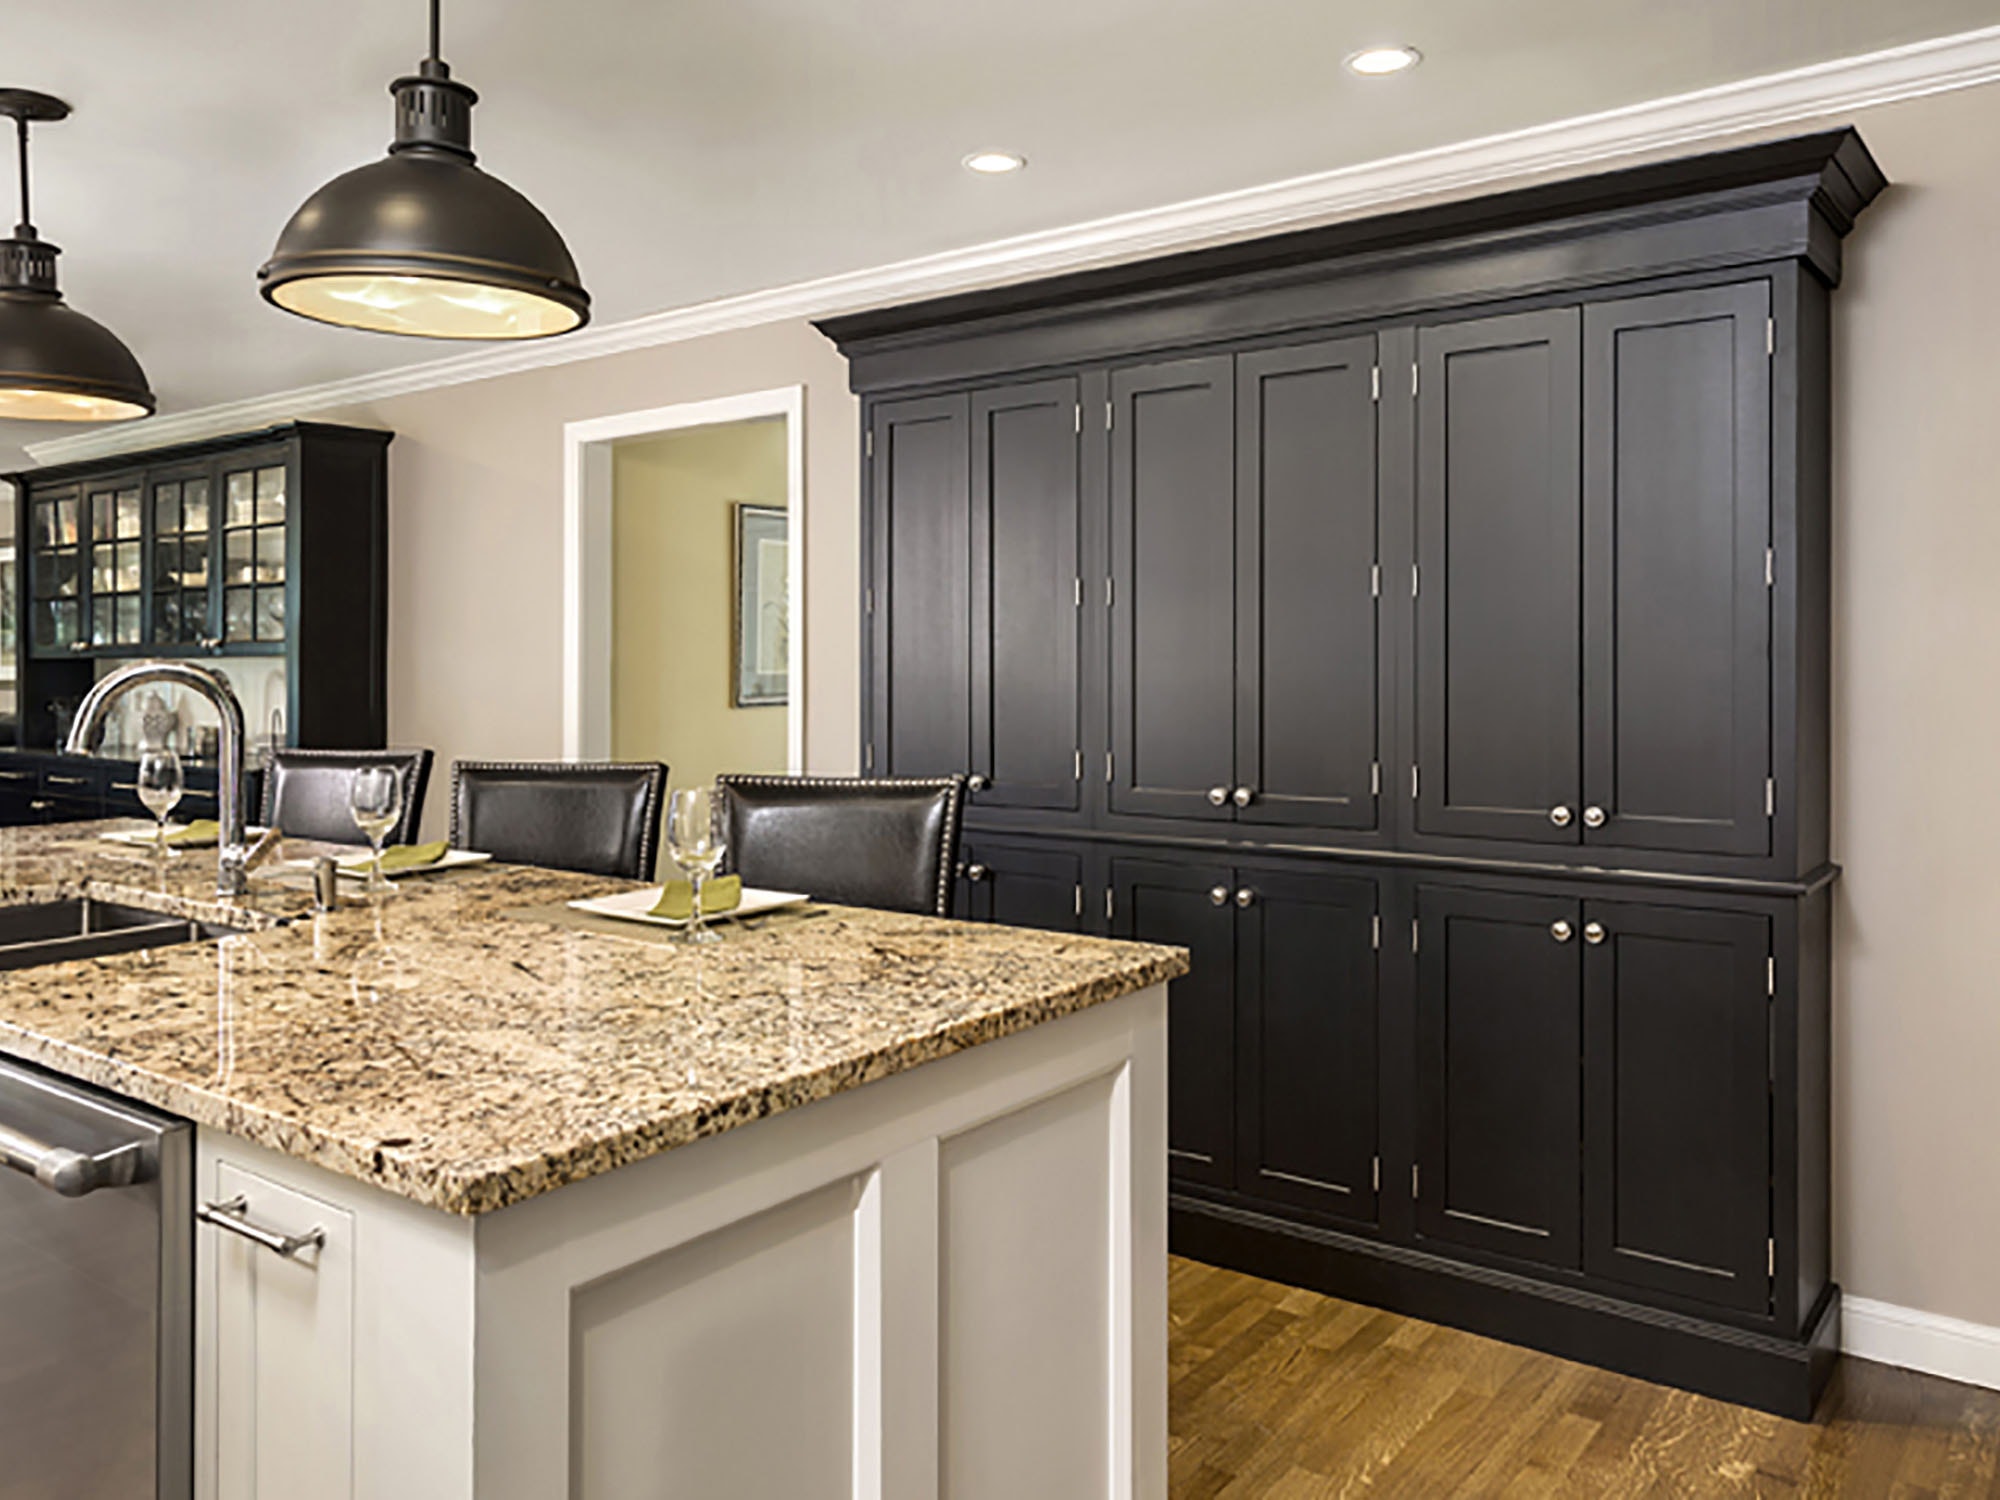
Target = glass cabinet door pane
(271,614)
(194,562)
(237,556)
(239,498)
(103,568)
(270,496)
(194,615)
(194,505)
(129,514)
(45,623)
(128,620)
(69,621)
(166,617)
(237,622)
(68,573)
(100,514)
(128,567)
(166,509)
(166,563)
(270,554)
(100,622)
(44,533)
(66,515)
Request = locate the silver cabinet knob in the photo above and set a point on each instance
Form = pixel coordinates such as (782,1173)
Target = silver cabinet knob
(1242,796)
(1561,931)
(977,783)
(1219,896)
(1218,796)
(1560,816)
(1593,932)
(976,872)
(1246,896)
(1593,817)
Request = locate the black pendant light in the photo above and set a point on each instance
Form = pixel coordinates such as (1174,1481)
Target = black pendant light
(56,365)
(423,242)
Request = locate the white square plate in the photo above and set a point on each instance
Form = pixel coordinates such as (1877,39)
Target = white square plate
(146,837)
(357,866)
(637,906)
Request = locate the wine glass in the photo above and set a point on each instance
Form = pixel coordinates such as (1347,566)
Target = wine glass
(696,845)
(160,784)
(375,798)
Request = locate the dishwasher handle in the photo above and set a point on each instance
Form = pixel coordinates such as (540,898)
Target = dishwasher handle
(71,1173)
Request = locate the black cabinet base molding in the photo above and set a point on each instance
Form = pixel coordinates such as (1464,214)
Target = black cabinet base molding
(1782,1376)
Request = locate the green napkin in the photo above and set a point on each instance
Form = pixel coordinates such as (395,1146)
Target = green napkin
(200,832)
(400,857)
(720,894)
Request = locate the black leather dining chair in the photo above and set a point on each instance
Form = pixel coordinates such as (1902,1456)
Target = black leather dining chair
(305,792)
(889,844)
(594,817)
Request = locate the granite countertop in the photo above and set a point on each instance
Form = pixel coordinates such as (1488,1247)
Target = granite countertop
(450,1048)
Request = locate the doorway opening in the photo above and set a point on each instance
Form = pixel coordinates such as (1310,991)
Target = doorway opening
(683,587)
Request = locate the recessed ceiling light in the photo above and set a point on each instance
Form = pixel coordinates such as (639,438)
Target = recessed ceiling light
(992,163)
(1374,62)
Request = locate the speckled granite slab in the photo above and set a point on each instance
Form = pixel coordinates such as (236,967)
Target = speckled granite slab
(466,1059)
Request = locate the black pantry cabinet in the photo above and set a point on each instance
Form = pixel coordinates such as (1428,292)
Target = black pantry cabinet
(1423,620)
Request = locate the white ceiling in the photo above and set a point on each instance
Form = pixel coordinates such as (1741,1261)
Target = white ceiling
(697,150)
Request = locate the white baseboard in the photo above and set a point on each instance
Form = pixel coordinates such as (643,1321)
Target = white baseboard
(1912,1340)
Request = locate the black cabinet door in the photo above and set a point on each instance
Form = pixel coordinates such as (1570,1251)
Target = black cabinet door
(1677,1123)
(1023,884)
(1191,906)
(1499,1072)
(1026,596)
(921,656)
(1173,622)
(1306,637)
(1677,613)
(1306,1010)
(1498,635)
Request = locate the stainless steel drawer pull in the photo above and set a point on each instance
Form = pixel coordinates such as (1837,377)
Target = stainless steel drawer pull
(69,781)
(233,1215)
(124,786)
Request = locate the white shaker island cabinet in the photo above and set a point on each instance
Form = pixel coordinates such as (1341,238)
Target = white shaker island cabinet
(855,1205)
(951,1282)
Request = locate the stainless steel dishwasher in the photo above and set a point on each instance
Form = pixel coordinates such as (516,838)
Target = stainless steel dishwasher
(96,1295)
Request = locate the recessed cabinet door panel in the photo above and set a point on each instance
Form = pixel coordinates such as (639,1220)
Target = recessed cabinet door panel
(1157,902)
(921,581)
(1677,616)
(1306,639)
(1677,1179)
(1498,632)
(1173,606)
(1306,1003)
(1025,522)
(1500,1076)
(1023,885)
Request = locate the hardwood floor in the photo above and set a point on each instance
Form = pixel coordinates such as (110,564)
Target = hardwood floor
(1289,1394)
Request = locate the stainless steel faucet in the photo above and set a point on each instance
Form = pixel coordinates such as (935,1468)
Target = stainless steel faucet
(235,857)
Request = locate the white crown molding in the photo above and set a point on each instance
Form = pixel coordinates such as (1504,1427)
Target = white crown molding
(1757,104)
(1912,1340)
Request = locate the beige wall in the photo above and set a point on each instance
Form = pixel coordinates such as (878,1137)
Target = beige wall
(673,578)
(475,632)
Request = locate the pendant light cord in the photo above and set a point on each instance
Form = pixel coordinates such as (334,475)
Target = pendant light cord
(26,228)
(434,31)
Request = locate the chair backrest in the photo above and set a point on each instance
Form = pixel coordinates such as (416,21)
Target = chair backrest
(597,818)
(305,792)
(890,844)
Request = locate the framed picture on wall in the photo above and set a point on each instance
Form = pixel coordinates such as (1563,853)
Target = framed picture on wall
(762,636)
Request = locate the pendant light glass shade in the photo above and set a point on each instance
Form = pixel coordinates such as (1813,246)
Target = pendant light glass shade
(423,242)
(56,365)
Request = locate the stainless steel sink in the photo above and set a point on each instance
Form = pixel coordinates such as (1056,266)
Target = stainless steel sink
(54,931)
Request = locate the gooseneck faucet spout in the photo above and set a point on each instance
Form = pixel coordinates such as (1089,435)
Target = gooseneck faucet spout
(235,856)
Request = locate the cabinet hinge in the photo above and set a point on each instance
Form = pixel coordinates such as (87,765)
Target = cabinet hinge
(1415,575)
(868,444)
(1375,779)
(1079,765)
(1110,762)
(1375,1175)
(871,600)
(1770,336)
(1107,416)
(1375,383)
(1110,904)
(1079,900)
(1771,976)
(1077,413)
(1079,593)
(1770,568)
(1415,1182)
(868,756)
(1771,1259)
(1413,783)
(1109,593)
(1375,932)
(1375,580)
(1413,934)
(1770,797)
(1413,380)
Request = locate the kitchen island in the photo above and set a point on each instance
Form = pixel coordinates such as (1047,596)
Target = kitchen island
(851,1204)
